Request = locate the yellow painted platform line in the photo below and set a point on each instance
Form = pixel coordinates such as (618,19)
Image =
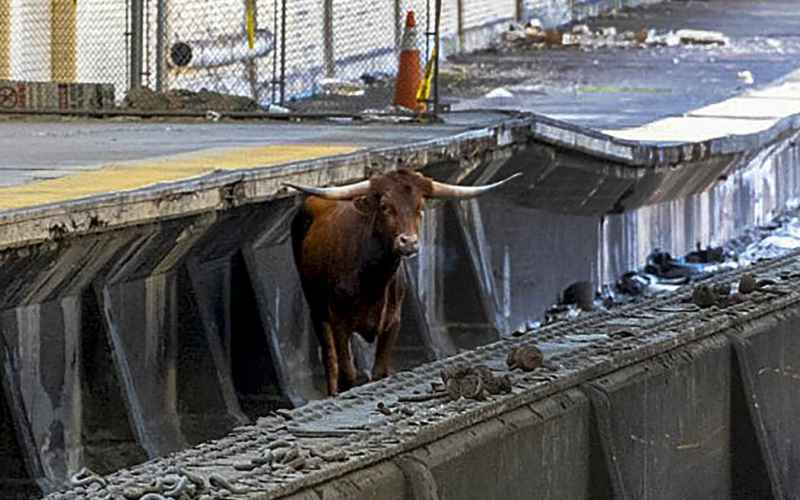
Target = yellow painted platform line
(134,175)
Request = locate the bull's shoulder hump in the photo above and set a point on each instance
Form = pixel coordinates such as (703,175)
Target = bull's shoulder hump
(318,207)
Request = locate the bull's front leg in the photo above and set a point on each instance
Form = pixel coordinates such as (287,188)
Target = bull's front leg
(344,352)
(383,352)
(330,357)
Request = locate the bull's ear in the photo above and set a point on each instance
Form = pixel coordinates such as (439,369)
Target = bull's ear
(364,204)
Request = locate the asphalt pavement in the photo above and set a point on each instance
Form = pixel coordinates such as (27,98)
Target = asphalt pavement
(612,88)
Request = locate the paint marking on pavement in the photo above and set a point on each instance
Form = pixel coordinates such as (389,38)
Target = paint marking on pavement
(751,112)
(142,173)
(690,129)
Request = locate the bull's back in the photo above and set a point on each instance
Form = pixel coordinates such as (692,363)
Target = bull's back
(321,242)
(313,210)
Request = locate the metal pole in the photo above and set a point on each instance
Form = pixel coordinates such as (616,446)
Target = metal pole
(327,38)
(274,87)
(427,30)
(460,21)
(398,27)
(438,15)
(283,51)
(161,37)
(251,64)
(137,46)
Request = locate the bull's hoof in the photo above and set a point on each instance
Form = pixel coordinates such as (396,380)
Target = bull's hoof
(381,374)
(361,379)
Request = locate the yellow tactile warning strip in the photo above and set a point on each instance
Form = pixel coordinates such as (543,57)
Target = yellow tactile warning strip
(138,174)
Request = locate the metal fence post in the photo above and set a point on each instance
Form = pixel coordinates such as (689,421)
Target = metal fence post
(283,51)
(161,38)
(327,38)
(398,26)
(252,64)
(460,21)
(438,16)
(137,42)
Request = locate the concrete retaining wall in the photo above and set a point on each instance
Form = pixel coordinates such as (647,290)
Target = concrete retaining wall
(713,419)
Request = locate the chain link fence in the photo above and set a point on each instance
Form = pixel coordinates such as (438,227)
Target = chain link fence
(319,56)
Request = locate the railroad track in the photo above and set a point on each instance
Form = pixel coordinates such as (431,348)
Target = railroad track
(295,449)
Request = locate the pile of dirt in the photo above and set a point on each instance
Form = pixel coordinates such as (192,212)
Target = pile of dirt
(145,99)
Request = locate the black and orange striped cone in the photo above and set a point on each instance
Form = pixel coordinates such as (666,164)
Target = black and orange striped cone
(409,71)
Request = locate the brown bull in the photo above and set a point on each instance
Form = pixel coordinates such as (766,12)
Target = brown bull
(348,243)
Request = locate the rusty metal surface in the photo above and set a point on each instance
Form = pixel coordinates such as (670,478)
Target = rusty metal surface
(297,449)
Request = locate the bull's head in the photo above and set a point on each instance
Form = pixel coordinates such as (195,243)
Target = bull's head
(396,200)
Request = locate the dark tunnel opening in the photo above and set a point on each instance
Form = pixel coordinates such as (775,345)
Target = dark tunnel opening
(107,435)
(254,376)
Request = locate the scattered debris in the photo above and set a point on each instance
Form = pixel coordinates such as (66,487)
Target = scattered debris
(534,36)
(746,77)
(664,273)
(702,37)
(498,93)
(709,255)
(703,296)
(473,382)
(390,113)
(145,99)
(85,477)
(747,284)
(276,109)
(527,358)
(381,407)
(339,87)
(419,398)
(408,412)
(221,482)
(581,294)
(329,456)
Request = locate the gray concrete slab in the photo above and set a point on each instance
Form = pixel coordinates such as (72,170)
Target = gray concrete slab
(616,88)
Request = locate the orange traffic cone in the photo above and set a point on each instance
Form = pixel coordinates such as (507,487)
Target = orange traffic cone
(409,72)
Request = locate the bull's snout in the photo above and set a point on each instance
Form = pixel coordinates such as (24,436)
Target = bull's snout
(406,244)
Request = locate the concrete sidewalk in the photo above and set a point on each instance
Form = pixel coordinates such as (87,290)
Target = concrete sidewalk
(53,162)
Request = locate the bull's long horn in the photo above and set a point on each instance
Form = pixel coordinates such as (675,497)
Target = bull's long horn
(453,191)
(347,192)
